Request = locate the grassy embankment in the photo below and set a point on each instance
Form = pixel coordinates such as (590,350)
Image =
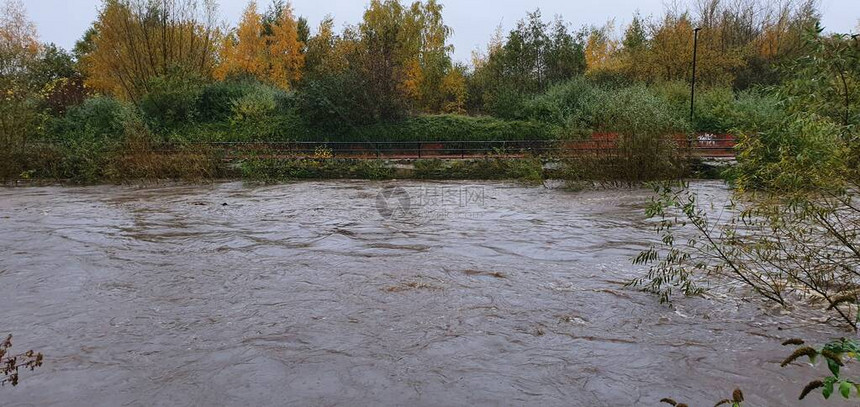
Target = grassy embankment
(105,140)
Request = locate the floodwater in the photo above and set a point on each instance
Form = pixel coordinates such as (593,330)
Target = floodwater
(333,293)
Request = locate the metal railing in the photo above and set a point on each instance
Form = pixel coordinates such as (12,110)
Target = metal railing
(708,146)
(699,147)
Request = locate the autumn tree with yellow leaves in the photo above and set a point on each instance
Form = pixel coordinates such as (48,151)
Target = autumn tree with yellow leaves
(19,44)
(320,58)
(273,57)
(740,43)
(286,57)
(390,43)
(244,51)
(136,40)
(19,49)
(600,48)
(397,60)
(440,80)
(454,90)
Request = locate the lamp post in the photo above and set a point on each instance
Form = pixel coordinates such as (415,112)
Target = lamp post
(693,82)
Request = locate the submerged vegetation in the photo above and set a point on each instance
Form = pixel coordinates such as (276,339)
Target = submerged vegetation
(11,364)
(150,83)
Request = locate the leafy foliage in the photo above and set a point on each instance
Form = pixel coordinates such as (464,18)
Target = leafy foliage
(794,225)
(835,354)
(773,246)
(136,40)
(391,78)
(532,57)
(740,43)
(269,50)
(171,99)
(19,99)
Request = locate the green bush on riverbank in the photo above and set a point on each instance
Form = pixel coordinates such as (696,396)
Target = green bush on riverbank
(104,139)
(85,143)
(529,170)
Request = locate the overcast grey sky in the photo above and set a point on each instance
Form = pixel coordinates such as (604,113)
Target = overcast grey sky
(474,21)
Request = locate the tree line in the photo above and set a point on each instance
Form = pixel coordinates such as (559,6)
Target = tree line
(398,60)
(176,68)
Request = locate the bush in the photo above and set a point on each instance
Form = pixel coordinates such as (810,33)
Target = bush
(337,103)
(529,170)
(636,111)
(171,100)
(676,94)
(98,118)
(243,110)
(754,111)
(802,153)
(20,123)
(453,128)
(216,100)
(647,129)
(506,102)
(88,135)
(570,104)
(720,110)
(139,158)
(636,160)
(259,104)
(221,101)
(269,170)
(580,107)
(713,110)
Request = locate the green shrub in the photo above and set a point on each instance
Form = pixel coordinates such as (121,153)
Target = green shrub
(171,100)
(98,118)
(222,101)
(580,106)
(720,110)
(506,102)
(216,100)
(269,170)
(647,128)
(570,104)
(676,94)
(19,124)
(529,170)
(635,111)
(754,111)
(371,170)
(259,104)
(713,111)
(803,152)
(87,137)
(337,103)
(452,128)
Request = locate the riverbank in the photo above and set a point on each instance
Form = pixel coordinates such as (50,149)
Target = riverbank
(204,168)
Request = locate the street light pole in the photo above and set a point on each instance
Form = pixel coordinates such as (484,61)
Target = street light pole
(693,82)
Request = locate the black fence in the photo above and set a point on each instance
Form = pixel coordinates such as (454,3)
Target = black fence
(701,147)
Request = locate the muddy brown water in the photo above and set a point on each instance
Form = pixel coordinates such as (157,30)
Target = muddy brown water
(305,294)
